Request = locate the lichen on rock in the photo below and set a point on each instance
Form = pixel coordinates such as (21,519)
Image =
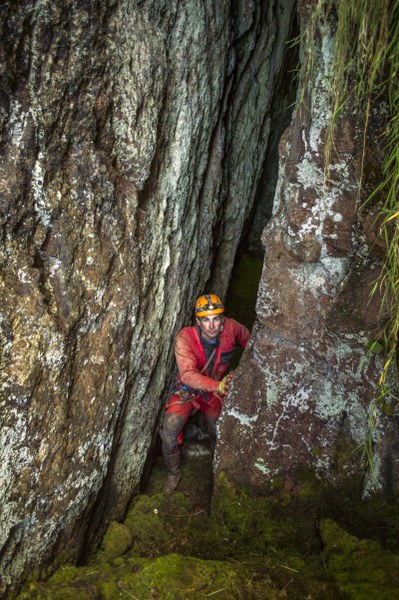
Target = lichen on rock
(306,384)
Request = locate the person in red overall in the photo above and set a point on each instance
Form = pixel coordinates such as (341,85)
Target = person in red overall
(203,353)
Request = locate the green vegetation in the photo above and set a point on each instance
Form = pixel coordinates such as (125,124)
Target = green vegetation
(361,568)
(368,51)
(364,74)
(240,301)
(174,547)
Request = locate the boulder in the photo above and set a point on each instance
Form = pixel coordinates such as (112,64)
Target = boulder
(307,385)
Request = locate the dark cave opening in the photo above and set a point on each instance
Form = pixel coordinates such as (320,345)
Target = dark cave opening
(241,296)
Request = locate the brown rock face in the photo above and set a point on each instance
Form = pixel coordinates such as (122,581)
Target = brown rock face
(303,392)
(132,139)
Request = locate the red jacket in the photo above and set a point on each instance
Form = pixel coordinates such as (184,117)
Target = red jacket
(190,355)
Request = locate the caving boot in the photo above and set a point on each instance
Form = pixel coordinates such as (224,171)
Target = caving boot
(172,462)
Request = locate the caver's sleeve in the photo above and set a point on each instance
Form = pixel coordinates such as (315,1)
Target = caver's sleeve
(187,365)
(241,333)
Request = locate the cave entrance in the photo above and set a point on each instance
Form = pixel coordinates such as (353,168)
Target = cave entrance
(241,298)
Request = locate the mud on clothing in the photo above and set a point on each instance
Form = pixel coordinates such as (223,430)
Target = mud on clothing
(191,358)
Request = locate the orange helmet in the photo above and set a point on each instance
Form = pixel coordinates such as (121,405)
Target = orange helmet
(208,304)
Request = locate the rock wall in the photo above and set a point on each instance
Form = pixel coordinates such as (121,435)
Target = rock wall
(133,135)
(306,387)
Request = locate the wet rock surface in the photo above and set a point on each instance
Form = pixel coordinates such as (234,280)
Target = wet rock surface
(306,386)
(133,136)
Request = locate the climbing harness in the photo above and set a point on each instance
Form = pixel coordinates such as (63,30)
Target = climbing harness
(187,394)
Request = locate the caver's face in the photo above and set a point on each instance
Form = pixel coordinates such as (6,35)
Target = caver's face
(210,326)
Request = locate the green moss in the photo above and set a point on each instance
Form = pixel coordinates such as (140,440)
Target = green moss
(246,520)
(117,540)
(175,577)
(155,523)
(109,590)
(362,569)
(376,517)
(65,574)
(267,527)
(387,408)
(246,546)
(170,577)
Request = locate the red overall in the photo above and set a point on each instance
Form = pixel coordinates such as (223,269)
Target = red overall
(191,359)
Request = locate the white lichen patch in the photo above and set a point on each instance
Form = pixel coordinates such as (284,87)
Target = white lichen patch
(98,445)
(55,265)
(18,122)
(41,202)
(242,418)
(310,176)
(15,458)
(272,392)
(261,466)
(320,105)
(23,275)
(55,355)
(331,400)
(323,277)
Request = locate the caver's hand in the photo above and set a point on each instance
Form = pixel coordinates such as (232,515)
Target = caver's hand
(224,384)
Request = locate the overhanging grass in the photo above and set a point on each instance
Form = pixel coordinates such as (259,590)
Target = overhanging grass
(365,71)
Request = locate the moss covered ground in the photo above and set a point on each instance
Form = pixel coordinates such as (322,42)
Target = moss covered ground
(239,546)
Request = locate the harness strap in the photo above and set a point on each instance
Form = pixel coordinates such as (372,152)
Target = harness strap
(189,394)
(208,361)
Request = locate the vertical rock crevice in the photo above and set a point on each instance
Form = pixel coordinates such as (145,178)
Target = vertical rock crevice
(131,132)
(253,93)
